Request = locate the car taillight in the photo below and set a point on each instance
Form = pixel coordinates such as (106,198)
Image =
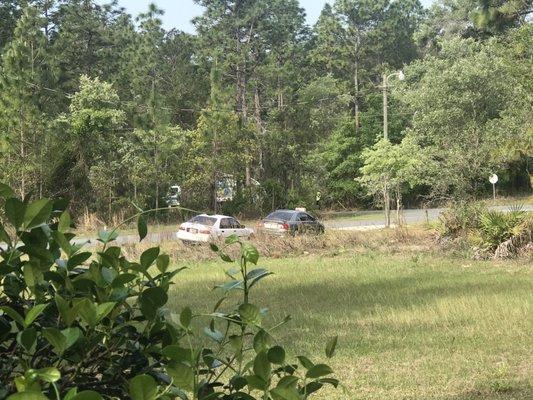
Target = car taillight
(285,226)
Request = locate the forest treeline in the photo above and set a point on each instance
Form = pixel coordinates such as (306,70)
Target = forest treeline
(107,109)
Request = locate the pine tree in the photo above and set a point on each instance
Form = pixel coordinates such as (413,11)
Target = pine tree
(23,105)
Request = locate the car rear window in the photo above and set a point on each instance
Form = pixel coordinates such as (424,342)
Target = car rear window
(204,220)
(281,215)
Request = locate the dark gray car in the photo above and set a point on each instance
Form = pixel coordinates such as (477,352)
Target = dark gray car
(290,221)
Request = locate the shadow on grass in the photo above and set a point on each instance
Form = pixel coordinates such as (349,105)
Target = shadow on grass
(515,391)
(339,296)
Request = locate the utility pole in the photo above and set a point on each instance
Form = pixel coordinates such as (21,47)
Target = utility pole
(386,77)
(385,108)
(386,194)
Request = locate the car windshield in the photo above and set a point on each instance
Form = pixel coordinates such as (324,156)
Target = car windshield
(281,215)
(203,220)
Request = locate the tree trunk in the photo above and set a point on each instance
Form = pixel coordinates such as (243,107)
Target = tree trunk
(259,126)
(386,203)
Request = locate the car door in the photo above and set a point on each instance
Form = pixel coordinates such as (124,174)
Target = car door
(303,222)
(226,227)
(313,223)
(239,229)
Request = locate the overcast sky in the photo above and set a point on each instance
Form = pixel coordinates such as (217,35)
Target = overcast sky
(178,13)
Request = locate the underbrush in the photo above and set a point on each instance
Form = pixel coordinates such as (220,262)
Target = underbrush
(405,239)
(489,233)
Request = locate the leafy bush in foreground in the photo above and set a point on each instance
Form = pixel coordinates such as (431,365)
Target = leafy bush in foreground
(83,325)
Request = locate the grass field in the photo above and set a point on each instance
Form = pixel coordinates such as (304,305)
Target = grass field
(410,325)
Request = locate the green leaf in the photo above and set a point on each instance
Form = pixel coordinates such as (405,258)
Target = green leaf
(68,314)
(78,259)
(28,396)
(32,275)
(4,236)
(49,375)
(224,257)
(162,263)
(214,247)
(256,382)
(15,209)
(262,366)
(177,353)
(87,395)
(102,310)
(148,257)
(256,275)
(33,314)
(122,279)
(71,335)
(232,239)
(330,346)
(285,393)
(318,370)
(276,355)
(231,285)
(151,300)
(37,213)
(182,374)
(71,393)
(142,228)
(307,363)
(261,340)
(250,253)
(27,339)
(312,387)
(186,317)
(87,311)
(214,334)
(63,242)
(5,191)
(107,237)
(288,381)
(143,387)
(250,313)
(56,339)
(64,222)
(15,316)
(332,381)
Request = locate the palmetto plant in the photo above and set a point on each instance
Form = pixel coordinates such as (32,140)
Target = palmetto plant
(496,227)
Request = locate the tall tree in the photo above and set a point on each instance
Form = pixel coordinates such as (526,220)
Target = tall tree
(24,77)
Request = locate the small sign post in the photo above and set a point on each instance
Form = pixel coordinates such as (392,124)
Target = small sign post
(494,180)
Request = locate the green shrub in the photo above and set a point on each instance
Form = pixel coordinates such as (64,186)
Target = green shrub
(77,324)
(460,218)
(496,227)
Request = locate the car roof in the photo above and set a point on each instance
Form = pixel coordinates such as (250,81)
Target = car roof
(217,216)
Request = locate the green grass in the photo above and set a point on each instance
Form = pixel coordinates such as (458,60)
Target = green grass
(410,326)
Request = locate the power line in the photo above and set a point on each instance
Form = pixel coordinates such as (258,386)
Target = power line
(130,103)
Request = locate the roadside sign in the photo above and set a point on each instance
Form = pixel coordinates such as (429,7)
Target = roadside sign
(494,180)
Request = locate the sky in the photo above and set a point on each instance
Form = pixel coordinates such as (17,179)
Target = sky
(178,13)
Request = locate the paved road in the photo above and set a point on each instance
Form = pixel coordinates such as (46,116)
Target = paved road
(345,220)
(352,220)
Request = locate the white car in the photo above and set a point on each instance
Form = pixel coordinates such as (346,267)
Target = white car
(206,228)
